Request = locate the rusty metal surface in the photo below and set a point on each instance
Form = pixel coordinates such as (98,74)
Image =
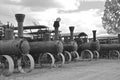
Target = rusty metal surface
(53,47)
(70,46)
(14,47)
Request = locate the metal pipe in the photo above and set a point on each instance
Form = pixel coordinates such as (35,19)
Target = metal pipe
(20,20)
(118,38)
(94,35)
(56,26)
(71,28)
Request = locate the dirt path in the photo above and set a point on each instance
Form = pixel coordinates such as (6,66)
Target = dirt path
(82,70)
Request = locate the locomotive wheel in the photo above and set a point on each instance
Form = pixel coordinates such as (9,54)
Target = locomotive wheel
(96,54)
(86,54)
(115,54)
(26,63)
(60,59)
(6,65)
(118,54)
(46,59)
(68,56)
(75,55)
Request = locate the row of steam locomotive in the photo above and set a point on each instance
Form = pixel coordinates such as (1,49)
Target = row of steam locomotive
(23,54)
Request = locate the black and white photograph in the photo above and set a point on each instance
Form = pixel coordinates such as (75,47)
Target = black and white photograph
(59,39)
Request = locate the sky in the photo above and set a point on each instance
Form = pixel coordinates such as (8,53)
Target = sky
(85,15)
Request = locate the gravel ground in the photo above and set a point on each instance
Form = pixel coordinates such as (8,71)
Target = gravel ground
(81,70)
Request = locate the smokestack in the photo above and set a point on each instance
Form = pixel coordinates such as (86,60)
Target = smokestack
(94,35)
(71,28)
(118,38)
(56,26)
(20,20)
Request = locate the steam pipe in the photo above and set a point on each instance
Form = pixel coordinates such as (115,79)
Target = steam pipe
(118,38)
(71,28)
(94,35)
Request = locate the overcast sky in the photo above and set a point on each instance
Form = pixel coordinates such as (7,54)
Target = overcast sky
(85,15)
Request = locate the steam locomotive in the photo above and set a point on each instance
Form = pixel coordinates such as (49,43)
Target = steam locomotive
(96,49)
(24,53)
(14,51)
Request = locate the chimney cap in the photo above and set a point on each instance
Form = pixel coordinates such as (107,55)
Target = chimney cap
(20,17)
(94,30)
(71,28)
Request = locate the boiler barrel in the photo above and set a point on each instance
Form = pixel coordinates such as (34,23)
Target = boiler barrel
(85,46)
(70,46)
(53,47)
(14,47)
(91,46)
(109,46)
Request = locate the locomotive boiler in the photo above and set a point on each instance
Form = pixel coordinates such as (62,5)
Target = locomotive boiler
(12,50)
(96,50)
(70,46)
(89,50)
(110,50)
(14,47)
(41,49)
(53,47)
(48,51)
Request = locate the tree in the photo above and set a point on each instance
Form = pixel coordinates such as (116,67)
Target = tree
(111,16)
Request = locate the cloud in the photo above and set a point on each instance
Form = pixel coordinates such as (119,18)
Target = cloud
(46,11)
(91,0)
(45,4)
(84,21)
(17,1)
(40,4)
(69,4)
(8,8)
(33,4)
(7,13)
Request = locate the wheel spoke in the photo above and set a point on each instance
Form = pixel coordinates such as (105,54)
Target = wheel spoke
(69,56)
(6,65)
(46,58)
(26,63)
(87,54)
(96,54)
